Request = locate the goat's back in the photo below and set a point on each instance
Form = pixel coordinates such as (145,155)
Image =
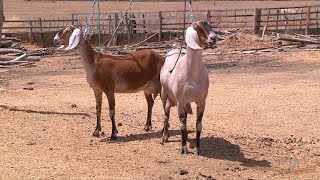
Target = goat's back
(131,72)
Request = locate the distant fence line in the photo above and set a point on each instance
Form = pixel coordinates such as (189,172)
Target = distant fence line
(297,18)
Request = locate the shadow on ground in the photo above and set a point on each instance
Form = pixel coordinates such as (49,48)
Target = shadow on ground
(143,136)
(219,148)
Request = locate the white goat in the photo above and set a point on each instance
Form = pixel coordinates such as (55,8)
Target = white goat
(188,82)
(137,71)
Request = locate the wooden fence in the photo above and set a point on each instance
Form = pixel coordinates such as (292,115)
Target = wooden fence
(297,18)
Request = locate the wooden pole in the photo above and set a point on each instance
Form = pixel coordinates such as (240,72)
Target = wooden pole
(41,33)
(2,18)
(110,24)
(301,17)
(114,36)
(208,16)
(144,24)
(256,20)
(308,20)
(128,27)
(317,17)
(160,26)
(277,21)
(30,32)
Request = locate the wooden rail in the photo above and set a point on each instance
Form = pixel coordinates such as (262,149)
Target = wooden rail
(298,18)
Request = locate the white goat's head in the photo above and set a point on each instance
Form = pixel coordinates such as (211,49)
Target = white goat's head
(200,35)
(70,36)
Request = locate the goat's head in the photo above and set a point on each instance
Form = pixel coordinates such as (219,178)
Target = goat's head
(70,36)
(200,35)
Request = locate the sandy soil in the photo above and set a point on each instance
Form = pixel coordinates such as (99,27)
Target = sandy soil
(261,122)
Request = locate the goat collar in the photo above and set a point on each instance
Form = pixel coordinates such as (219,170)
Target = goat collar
(192,38)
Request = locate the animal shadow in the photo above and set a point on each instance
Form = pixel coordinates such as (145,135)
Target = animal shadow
(219,148)
(140,137)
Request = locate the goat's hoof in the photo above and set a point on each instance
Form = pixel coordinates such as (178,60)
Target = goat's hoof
(96,133)
(197,152)
(147,128)
(114,138)
(184,150)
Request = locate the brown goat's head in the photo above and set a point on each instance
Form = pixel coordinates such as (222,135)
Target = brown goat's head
(200,35)
(70,36)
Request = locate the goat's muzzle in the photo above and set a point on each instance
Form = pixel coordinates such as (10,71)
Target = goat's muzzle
(212,42)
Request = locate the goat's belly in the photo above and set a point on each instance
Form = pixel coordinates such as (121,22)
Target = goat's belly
(149,87)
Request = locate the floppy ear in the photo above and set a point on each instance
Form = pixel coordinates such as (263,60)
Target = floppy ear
(74,39)
(192,38)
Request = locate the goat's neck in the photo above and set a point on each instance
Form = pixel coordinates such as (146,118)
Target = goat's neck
(88,55)
(194,60)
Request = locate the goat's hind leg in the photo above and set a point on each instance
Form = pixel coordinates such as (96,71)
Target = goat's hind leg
(200,111)
(165,131)
(150,103)
(98,96)
(183,127)
(111,100)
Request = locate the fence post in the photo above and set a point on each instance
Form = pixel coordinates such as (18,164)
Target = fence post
(115,38)
(208,16)
(41,33)
(110,25)
(72,20)
(277,20)
(144,24)
(128,27)
(30,32)
(317,17)
(256,20)
(160,26)
(308,20)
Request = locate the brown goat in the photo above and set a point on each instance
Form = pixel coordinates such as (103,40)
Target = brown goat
(138,71)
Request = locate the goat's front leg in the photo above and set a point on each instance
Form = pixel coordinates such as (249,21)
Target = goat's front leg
(150,102)
(98,96)
(111,100)
(200,111)
(183,127)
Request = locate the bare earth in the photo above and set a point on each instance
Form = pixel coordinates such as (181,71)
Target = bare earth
(261,122)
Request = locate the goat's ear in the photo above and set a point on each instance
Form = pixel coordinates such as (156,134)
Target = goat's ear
(192,38)
(74,39)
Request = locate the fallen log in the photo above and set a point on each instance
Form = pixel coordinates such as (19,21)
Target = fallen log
(298,40)
(9,50)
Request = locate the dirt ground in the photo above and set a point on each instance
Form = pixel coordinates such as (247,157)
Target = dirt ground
(261,122)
